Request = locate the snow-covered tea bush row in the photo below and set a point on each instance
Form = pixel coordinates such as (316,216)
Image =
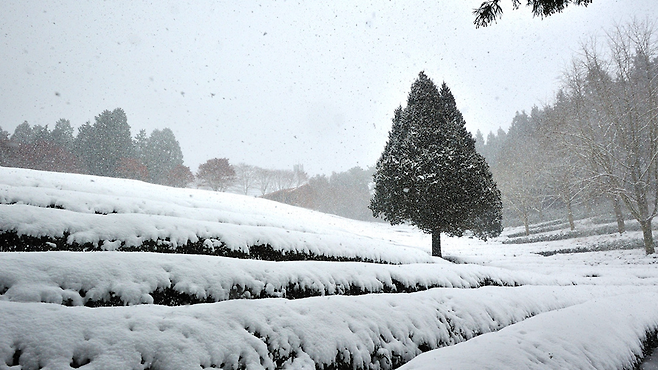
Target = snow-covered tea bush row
(366,332)
(563,235)
(12,241)
(56,211)
(607,333)
(599,246)
(116,278)
(584,228)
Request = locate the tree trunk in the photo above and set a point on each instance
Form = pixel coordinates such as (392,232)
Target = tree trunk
(621,227)
(648,236)
(643,210)
(436,244)
(526,224)
(570,215)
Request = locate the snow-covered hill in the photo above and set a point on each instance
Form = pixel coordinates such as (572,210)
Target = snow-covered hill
(182,311)
(80,211)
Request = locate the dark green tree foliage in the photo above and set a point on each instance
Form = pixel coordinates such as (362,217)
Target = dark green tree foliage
(23,134)
(84,143)
(430,174)
(140,142)
(62,134)
(104,148)
(104,144)
(40,133)
(4,147)
(161,155)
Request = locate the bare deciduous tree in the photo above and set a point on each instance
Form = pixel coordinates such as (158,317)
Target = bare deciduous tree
(282,179)
(245,177)
(616,98)
(263,179)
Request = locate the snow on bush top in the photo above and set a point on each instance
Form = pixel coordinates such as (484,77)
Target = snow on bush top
(375,331)
(77,278)
(605,333)
(109,211)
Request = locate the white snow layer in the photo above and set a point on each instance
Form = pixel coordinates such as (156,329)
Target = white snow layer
(605,333)
(600,323)
(370,331)
(106,211)
(58,277)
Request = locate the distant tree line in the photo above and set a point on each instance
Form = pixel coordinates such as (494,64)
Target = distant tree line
(249,179)
(345,194)
(596,144)
(104,148)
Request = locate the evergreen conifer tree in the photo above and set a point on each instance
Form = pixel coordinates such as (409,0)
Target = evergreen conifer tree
(4,147)
(83,145)
(161,154)
(139,142)
(430,174)
(103,145)
(62,134)
(22,134)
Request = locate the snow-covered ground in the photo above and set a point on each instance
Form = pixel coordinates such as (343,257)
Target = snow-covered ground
(112,213)
(76,278)
(603,333)
(578,311)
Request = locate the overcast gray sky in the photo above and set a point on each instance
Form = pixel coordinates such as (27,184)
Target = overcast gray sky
(277,83)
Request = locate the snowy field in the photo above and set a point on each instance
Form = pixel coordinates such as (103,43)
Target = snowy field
(112,214)
(502,306)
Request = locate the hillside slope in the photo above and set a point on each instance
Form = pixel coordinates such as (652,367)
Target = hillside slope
(307,290)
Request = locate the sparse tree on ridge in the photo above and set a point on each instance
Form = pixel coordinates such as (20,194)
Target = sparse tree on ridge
(245,177)
(216,173)
(430,174)
(301,177)
(282,179)
(263,179)
(179,176)
(43,155)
